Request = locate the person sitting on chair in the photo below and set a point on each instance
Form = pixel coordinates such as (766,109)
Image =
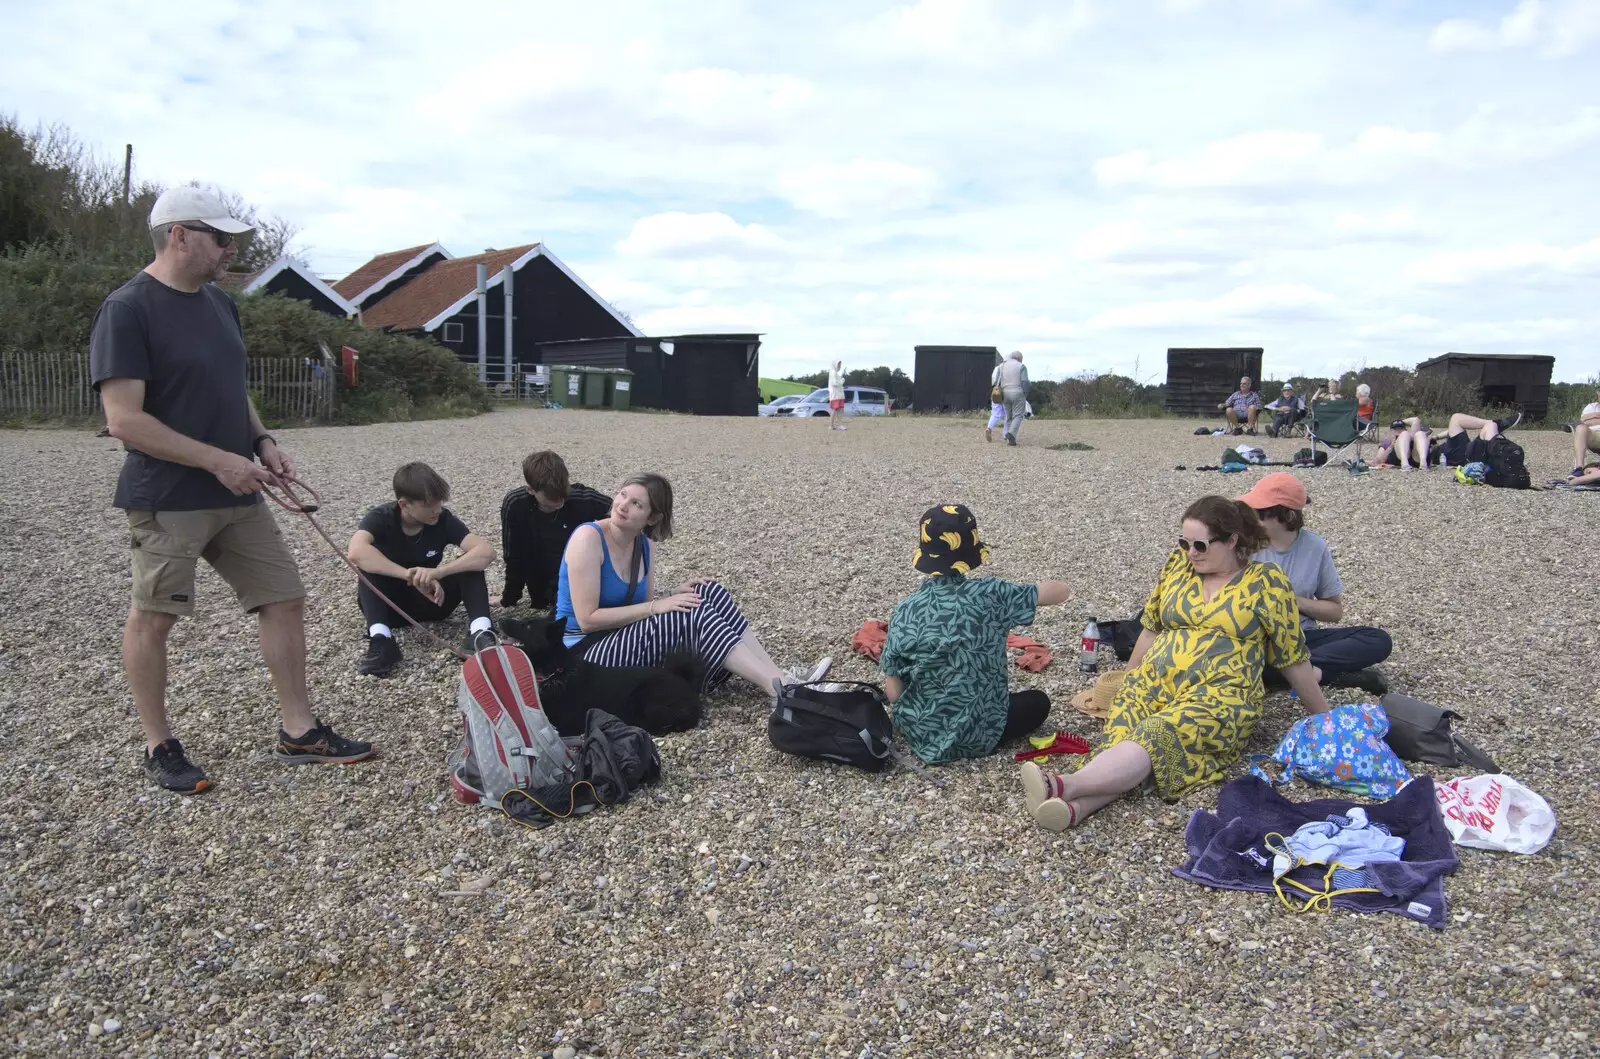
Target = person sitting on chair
(1327,392)
(1366,407)
(536,521)
(1286,411)
(400,548)
(1242,407)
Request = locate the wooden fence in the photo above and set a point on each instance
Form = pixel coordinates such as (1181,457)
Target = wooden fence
(44,386)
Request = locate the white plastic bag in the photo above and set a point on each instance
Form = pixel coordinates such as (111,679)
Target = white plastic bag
(1495,812)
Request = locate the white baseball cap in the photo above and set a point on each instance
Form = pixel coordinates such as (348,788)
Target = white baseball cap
(177,205)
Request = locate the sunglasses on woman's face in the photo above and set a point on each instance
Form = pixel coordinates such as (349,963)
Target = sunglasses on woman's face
(222,238)
(1198,547)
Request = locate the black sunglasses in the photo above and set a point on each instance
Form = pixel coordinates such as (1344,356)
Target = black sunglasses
(1198,547)
(222,238)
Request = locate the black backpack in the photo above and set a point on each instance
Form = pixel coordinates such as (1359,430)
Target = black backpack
(1506,467)
(848,725)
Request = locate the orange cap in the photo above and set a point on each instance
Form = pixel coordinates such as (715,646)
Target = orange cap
(1280,489)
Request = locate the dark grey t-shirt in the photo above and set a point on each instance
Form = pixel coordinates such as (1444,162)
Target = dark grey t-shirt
(189,351)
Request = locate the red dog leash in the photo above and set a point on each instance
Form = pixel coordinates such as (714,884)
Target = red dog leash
(293,502)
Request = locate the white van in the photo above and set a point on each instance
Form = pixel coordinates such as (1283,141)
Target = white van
(858,401)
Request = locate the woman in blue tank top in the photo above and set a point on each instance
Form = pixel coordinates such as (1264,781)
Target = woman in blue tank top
(611,626)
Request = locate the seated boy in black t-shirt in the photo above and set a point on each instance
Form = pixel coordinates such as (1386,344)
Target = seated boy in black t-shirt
(535,522)
(400,547)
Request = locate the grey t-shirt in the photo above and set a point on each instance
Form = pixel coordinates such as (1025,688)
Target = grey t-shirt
(1308,564)
(189,351)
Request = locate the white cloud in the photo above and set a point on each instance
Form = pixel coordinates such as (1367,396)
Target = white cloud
(862,185)
(1527,259)
(968,32)
(1087,182)
(694,234)
(1249,301)
(1555,27)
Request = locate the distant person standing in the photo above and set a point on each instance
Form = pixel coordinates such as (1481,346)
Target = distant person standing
(836,395)
(1013,380)
(167,354)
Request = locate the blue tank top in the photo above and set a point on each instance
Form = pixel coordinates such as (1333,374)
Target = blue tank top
(613,589)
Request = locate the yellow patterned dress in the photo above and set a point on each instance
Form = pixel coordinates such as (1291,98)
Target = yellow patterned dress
(1194,700)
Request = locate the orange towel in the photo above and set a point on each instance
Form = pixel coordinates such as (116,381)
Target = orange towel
(870,638)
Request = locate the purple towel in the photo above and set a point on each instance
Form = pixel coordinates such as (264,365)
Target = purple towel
(1248,809)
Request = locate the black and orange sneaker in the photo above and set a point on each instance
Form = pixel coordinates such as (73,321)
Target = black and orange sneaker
(168,766)
(320,746)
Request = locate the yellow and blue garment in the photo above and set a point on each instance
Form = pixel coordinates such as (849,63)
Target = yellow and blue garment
(1344,844)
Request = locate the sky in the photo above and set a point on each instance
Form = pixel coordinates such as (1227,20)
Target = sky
(1367,182)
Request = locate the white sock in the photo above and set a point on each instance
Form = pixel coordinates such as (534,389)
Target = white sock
(480,625)
(379,629)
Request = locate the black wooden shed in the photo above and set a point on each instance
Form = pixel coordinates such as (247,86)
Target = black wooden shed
(712,375)
(707,375)
(952,378)
(1507,379)
(642,356)
(1200,379)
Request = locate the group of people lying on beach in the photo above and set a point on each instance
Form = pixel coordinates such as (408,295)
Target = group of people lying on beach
(1409,443)
(1236,608)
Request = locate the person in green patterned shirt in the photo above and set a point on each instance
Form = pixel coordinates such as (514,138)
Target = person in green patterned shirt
(944,662)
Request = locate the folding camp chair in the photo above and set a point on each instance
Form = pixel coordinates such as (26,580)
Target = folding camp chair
(1333,424)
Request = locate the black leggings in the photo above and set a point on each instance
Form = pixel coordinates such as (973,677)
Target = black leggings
(1028,711)
(470,588)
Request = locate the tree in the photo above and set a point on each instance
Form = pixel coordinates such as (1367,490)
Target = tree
(272,238)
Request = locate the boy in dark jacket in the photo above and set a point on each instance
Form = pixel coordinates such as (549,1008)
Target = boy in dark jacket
(535,522)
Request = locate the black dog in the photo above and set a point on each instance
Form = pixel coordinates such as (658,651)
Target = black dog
(659,699)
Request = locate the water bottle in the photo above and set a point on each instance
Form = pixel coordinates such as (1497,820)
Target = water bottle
(1089,654)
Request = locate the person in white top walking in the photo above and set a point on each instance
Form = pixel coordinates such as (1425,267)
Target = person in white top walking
(836,395)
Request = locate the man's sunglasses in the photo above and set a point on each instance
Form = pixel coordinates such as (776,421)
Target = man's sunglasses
(222,238)
(1198,547)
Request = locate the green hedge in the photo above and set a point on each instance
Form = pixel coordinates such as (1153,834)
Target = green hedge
(49,294)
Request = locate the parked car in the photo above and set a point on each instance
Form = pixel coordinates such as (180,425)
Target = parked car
(779,402)
(858,401)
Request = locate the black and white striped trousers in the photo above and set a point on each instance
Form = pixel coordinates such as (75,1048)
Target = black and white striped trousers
(710,630)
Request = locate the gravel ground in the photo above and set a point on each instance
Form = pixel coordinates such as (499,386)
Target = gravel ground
(752,904)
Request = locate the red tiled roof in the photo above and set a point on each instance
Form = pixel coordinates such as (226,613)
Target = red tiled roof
(365,276)
(435,290)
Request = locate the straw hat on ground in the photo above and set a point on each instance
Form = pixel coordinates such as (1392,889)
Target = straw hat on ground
(1096,702)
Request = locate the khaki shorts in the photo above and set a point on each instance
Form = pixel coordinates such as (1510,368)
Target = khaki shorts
(243,544)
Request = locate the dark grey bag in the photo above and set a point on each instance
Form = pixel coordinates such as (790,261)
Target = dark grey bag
(1421,732)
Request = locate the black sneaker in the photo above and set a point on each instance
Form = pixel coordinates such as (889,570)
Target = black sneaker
(320,746)
(477,641)
(168,766)
(383,654)
(1508,422)
(1368,680)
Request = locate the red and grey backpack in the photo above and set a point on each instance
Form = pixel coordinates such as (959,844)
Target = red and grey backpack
(508,743)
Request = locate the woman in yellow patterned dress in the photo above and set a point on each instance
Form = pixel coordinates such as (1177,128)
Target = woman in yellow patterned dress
(1193,691)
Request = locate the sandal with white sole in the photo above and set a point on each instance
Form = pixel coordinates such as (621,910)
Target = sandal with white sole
(1056,815)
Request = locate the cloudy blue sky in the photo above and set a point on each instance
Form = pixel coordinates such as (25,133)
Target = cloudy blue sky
(1344,183)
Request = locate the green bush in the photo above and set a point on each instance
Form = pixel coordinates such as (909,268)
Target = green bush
(399,377)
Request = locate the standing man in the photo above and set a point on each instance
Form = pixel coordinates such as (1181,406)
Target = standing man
(1013,380)
(168,357)
(536,521)
(1243,407)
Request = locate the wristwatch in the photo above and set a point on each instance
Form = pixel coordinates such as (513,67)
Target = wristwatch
(255,446)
